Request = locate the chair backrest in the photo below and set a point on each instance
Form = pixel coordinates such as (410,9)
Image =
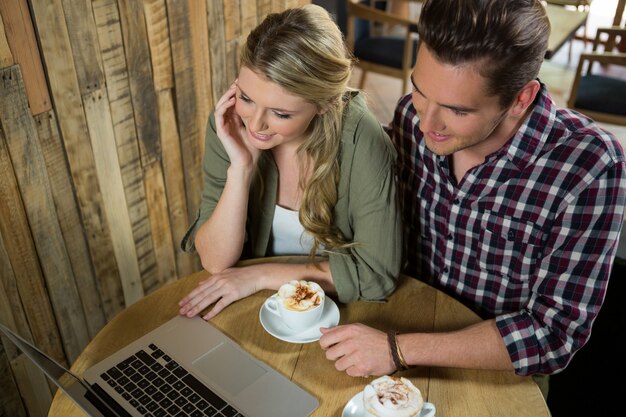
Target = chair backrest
(362,26)
(618,22)
(602,95)
(389,55)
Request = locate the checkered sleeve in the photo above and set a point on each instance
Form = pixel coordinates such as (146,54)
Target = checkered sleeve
(568,289)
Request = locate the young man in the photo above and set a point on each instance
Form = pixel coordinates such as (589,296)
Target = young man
(511,205)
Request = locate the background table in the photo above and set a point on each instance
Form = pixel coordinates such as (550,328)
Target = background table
(563,26)
(413,307)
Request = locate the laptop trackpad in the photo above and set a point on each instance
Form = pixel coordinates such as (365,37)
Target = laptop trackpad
(229,367)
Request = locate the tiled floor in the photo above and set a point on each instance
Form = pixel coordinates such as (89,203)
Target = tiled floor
(557,73)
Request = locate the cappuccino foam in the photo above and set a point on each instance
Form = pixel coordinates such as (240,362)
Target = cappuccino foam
(392,397)
(301,295)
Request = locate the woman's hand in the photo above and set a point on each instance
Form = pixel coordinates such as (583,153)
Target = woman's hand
(358,350)
(233,284)
(232,132)
(222,288)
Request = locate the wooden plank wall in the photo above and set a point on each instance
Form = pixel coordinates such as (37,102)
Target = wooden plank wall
(103,105)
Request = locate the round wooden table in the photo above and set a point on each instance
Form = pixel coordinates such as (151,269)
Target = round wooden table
(415,306)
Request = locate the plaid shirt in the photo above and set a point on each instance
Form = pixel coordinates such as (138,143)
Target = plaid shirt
(528,237)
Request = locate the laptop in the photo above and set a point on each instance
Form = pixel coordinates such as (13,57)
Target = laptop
(185,367)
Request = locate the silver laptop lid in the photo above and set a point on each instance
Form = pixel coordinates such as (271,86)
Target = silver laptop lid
(72,385)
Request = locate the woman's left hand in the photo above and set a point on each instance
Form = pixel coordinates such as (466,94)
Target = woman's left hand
(222,288)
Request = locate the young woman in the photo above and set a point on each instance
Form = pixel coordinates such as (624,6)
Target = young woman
(296,164)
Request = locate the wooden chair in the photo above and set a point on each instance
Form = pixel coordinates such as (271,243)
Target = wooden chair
(601,95)
(390,55)
(618,21)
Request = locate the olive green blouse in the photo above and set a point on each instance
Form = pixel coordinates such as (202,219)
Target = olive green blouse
(366,211)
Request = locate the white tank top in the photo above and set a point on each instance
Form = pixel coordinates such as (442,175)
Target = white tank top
(288,234)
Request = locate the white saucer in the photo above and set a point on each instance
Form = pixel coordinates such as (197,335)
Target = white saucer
(274,326)
(355,408)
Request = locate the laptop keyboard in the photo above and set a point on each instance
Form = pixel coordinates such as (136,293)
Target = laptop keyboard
(157,386)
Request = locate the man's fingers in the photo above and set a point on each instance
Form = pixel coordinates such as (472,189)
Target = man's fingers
(331,336)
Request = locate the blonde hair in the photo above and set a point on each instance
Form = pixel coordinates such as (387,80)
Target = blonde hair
(303,51)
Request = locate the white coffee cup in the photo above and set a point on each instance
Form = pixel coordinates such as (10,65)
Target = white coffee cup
(298,303)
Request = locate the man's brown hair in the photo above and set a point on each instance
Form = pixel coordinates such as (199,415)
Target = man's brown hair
(505,39)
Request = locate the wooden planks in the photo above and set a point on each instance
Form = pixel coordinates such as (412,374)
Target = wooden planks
(249,17)
(181,39)
(142,89)
(21,39)
(100,127)
(264,7)
(175,122)
(33,385)
(145,109)
(181,135)
(103,109)
(82,34)
(233,38)
(232,19)
(12,403)
(32,178)
(110,44)
(23,256)
(73,127)
(21,279)
(67,212)
(159,41)
(193,147)
(160,226)
(11,314)
(174,185)
(217,48)
(6,57)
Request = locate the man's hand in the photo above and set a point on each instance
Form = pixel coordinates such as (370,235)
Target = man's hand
(358,349)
